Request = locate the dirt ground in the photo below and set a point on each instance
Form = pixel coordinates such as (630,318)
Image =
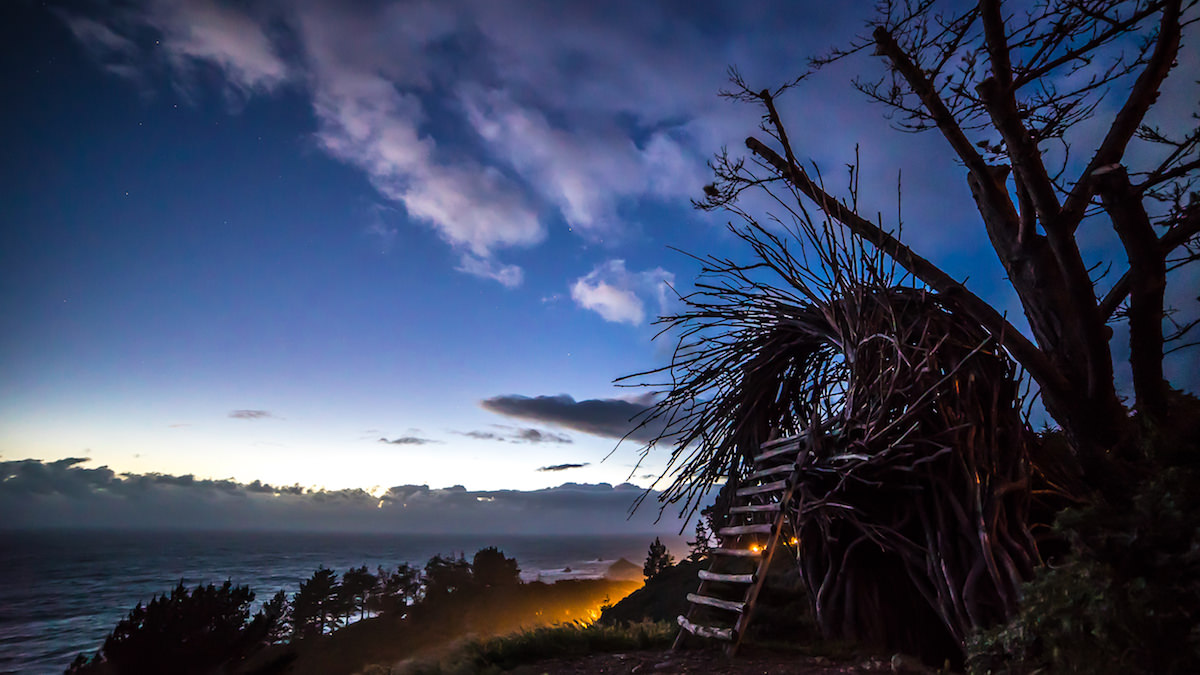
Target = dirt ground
(666,662)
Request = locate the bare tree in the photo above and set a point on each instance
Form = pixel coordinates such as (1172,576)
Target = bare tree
(1005,84)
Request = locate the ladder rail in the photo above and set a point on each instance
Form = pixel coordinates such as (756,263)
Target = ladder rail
(786,489)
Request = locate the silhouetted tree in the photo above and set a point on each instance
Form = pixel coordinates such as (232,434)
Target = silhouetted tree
(395,591)
(186,631)
(492,569)
(702,544)
(278,612)
(317,607)
(357,585)
(657,560)
(444,575)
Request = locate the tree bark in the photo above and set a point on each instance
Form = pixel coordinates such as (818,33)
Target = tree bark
(1148,283)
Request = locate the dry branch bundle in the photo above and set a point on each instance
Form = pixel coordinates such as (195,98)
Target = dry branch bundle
(913,508)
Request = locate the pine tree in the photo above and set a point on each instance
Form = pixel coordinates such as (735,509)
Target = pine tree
(357,586)
(657,560)
(187,631)
(316,608)
(702,545)
(278,612)
(395,591)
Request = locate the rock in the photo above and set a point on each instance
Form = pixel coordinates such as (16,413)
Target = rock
(623,570)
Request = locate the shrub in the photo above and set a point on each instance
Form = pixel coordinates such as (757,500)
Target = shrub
(1127,598)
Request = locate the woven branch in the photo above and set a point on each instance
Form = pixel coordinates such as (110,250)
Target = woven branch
(913,509)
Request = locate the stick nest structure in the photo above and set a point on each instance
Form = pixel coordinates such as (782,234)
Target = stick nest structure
(913,506)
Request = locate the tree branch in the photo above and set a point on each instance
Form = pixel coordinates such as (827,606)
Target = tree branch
(1116,28)
(999,98)
(1143,94)
(1173,239)
(1022,349)
(925,91)
(1148,283)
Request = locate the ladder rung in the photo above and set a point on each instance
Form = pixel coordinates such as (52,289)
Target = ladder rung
(786,452)
(705,575)
(782,468)
(745,529)
(711,632)
(736,552)
(755,508)
(777,486)
(730,605)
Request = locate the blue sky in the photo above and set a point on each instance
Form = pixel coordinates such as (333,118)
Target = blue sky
(350,244)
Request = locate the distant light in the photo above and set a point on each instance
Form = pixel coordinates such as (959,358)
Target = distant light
(379,505)
(485,499)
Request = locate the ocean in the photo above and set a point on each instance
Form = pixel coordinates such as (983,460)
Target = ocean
(62,592)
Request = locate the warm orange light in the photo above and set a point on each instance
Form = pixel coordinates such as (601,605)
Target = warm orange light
(755,548)
(794,541)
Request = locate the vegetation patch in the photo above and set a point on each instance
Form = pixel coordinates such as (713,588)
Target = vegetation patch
(575,639)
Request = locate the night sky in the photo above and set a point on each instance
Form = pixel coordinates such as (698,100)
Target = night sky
(357,245)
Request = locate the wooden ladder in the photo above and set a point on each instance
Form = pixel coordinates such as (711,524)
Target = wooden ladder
(730,586)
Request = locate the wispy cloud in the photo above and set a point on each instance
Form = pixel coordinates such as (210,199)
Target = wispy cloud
(408,440)
(584,175)
(202,32)
(485,143)
(509,434)
(251,414)
(509,276)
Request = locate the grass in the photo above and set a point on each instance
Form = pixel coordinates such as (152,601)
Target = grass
(499,654)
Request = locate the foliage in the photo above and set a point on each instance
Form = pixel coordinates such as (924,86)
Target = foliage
(445,575)
(278,612)
(492,569)
(395,591)
(1128,597)
(188,631)
(481,597)
(318,607)
(657,560)
(357,587)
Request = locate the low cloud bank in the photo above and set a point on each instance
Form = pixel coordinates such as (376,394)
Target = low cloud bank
(64,493)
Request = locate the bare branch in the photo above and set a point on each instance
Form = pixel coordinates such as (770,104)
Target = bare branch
(1022,349)
(1129,119)
(929,98)
(1148,282)
(1177,236)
